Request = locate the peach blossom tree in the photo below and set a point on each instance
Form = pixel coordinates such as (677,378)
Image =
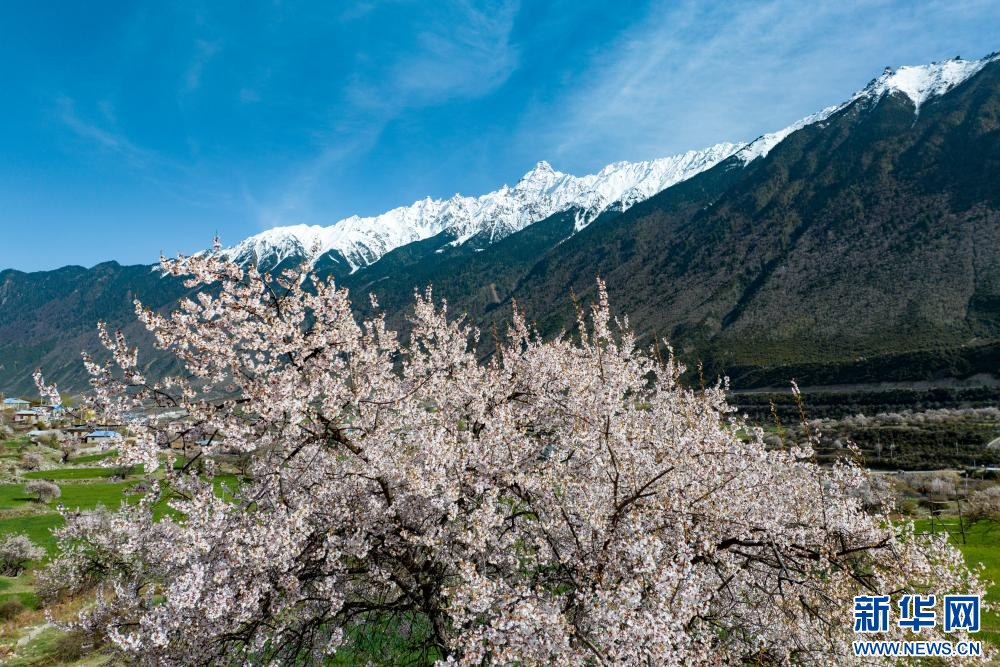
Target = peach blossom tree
(565,502)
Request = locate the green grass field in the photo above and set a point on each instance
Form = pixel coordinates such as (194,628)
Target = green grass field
(75,473)
(81,487)
(91,458)
(21,513)
(981,547)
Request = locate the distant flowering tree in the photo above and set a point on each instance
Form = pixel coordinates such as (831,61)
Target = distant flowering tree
(567,502)
(67,448)
(32,461)
(984,505)
(44,490)
(15,552)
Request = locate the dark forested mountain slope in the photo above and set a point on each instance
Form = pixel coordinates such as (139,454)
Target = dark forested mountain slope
(47,318)
(875,232)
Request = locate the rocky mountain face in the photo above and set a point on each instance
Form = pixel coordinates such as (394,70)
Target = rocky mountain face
(861,244)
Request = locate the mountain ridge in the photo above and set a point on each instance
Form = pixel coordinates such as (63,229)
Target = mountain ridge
(356,242)
(856,243)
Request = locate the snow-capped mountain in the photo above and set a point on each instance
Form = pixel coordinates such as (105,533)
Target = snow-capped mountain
(540,193)
(848,269)
(922,82)
(918,82)
(356,242)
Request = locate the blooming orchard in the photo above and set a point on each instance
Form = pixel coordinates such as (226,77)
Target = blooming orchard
(566,502)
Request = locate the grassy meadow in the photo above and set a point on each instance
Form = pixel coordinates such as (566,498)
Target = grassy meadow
(26,638)
(981,547)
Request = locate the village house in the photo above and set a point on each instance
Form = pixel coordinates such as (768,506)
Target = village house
(53,413)
(26,417)
(100,437)
(43,435)
(15,404)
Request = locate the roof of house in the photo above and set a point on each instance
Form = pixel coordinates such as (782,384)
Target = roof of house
(26,412)
(15,401)
(102,434)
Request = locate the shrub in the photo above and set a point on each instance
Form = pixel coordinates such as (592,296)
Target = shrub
(45,490)
(32,461)
(71,646)
(15,551)
(907,506)
(123,471)
(10,609)
(45,438)
(773,440)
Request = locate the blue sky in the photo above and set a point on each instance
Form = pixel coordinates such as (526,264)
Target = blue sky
(131,128)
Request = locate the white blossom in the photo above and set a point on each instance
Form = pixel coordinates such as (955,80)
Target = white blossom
(566,502)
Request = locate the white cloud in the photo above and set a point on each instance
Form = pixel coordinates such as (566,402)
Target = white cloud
(168,175)
(101,136)
(465,53)
(691,74)
(204,52)
(467,59)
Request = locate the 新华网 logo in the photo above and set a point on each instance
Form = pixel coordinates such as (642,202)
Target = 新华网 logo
(959,613)
(916,612)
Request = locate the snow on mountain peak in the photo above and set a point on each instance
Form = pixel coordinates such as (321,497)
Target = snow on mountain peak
(918,82)
(542,166)
(922,82)
(541,192)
